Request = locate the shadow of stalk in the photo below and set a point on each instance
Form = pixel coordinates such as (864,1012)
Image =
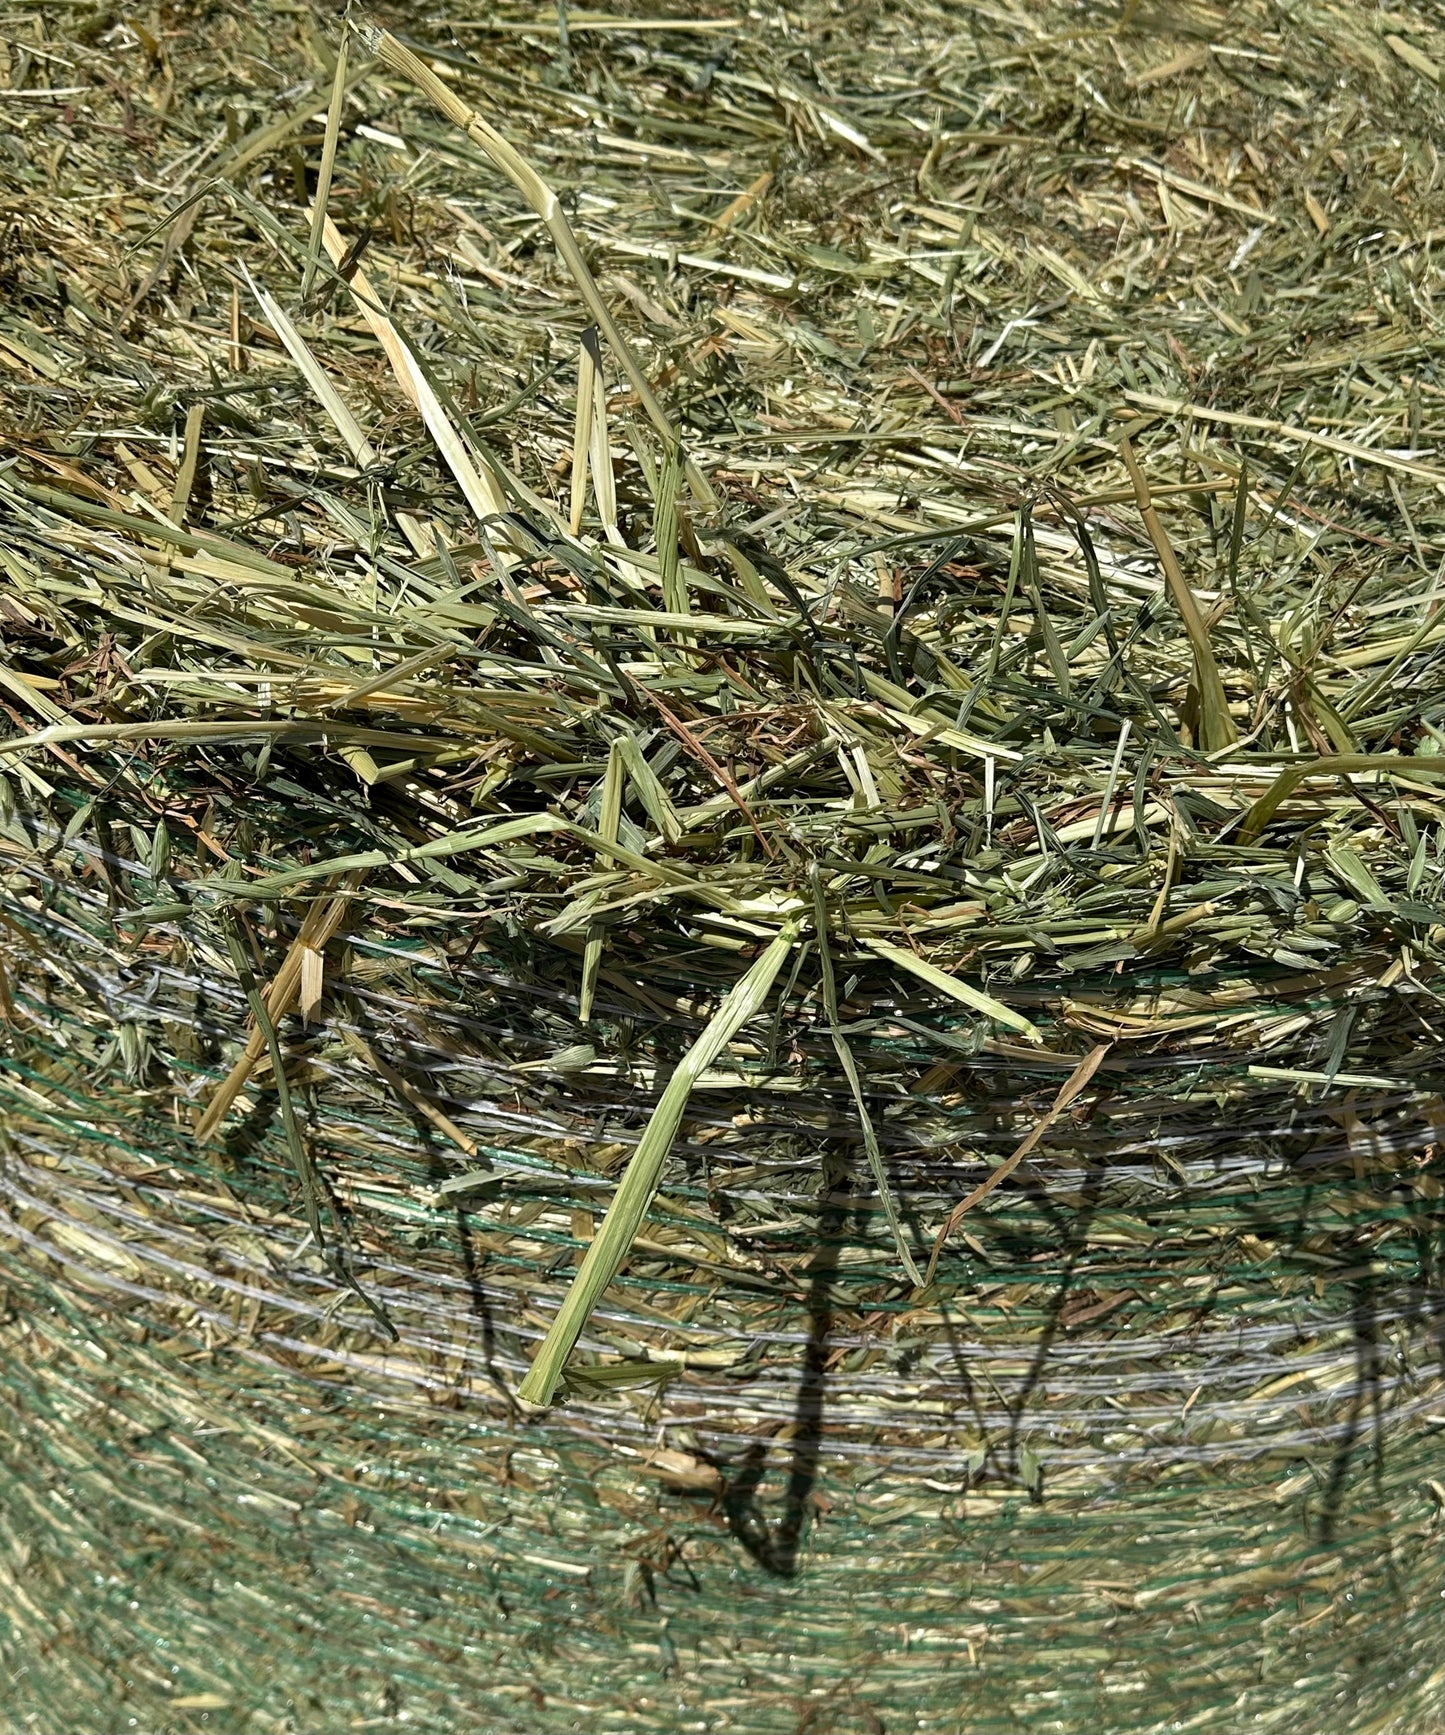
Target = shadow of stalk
(776,1549)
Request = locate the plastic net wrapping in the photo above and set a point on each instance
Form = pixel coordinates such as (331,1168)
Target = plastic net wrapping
(1159,1447)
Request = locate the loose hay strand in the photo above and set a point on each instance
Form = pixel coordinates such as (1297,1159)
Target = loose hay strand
(610,1246)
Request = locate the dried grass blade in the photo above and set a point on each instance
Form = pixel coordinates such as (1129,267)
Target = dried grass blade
(547,206)
(587,371)
(481,490)
(951,985)
(328,163)
(1070,1089)
(323,922)
(855,1084)
(629,1205)
(1216,727)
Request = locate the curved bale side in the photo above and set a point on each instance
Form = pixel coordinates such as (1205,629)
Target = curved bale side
(199,1539)
(1158,1446)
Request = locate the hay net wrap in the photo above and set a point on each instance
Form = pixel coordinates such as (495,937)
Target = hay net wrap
(490,746)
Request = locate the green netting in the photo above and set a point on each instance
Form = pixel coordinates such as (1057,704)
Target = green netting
(238,1543)
(1161,1452)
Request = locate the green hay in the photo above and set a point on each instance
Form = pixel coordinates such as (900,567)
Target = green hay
(940,522)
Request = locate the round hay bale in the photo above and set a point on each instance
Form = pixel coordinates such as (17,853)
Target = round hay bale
(720,957)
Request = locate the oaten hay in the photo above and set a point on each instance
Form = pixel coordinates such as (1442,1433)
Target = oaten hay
(721,870)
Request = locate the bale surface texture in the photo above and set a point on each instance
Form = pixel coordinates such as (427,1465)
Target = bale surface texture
(720,871)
